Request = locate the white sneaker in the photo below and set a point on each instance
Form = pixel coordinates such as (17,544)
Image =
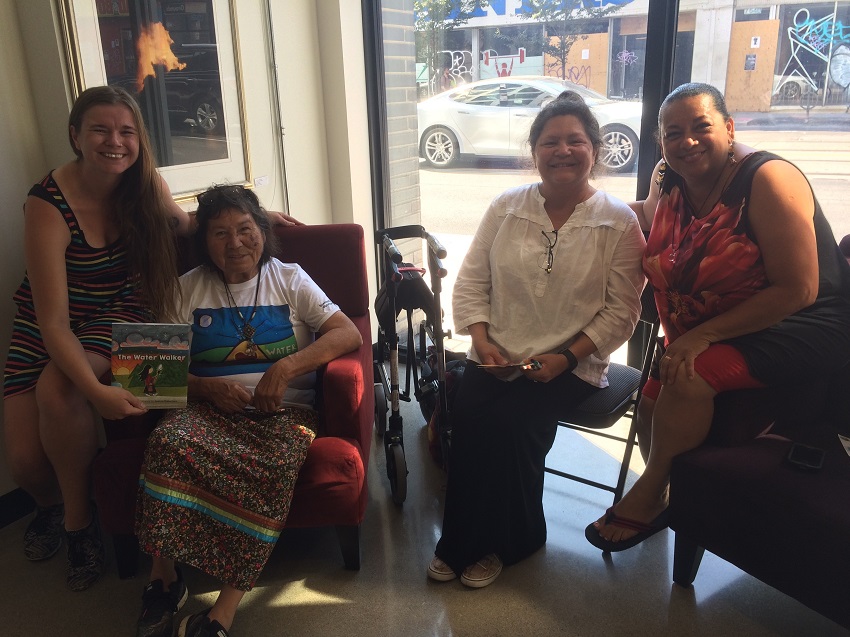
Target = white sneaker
(483,573)
(439,571)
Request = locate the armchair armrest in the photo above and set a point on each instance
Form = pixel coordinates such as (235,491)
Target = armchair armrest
(342,386)
(348,394)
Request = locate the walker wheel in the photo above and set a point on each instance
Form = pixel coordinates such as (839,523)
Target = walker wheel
(381,408)
(397,472)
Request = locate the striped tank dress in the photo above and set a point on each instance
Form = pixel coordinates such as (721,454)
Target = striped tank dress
(100,292)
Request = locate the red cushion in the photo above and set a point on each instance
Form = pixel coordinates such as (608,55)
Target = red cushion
(331,485)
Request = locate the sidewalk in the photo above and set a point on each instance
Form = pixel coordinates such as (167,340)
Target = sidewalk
(819,118)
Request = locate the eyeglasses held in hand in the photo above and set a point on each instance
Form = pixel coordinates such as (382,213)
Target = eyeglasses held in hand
(549,256)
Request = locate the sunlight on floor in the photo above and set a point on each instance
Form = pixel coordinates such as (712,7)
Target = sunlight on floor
(298,593)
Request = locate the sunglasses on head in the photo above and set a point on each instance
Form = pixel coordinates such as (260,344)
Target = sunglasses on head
(209,197)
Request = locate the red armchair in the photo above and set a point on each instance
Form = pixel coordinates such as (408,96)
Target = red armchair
(331,488)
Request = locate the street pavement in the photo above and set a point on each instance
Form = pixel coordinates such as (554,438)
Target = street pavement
(793,118)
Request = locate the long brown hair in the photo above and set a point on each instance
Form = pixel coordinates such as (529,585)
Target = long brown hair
(138,206)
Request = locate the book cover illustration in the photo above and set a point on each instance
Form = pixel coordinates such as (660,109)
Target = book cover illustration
(151,360)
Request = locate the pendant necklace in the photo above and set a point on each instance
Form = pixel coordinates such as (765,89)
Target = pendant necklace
(245,331)
(674,252)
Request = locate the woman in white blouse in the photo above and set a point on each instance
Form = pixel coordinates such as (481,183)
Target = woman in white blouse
(553,277)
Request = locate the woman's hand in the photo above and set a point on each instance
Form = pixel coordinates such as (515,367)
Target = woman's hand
(281,219)
(491,355)
(270,389)
(551,365)
(227,395)
(115,403)
(680,356)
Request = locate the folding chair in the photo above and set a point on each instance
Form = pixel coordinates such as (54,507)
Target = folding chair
(604,408)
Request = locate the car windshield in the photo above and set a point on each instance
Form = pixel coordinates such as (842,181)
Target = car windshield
(518,93)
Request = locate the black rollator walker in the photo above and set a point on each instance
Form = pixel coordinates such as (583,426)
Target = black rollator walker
(404,288)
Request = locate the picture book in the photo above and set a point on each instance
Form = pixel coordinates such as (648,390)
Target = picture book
(151,360)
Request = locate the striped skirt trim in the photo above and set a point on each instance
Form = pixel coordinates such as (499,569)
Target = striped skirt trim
(185,495)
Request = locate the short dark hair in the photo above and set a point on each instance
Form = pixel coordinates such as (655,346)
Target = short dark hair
(221,197)
(695,89)
(567,103)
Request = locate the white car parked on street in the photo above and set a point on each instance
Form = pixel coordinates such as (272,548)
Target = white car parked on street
(491,118)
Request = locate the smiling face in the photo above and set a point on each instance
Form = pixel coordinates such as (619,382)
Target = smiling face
(564,154)
(107,138)
(235,244)
(695,137)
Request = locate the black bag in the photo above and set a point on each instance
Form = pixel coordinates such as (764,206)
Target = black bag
(430,404)
(412,293)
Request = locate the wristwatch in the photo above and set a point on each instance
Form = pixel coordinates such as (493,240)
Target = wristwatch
(571,358)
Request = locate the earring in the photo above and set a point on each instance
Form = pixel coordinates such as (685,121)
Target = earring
(732,160)
(661,170)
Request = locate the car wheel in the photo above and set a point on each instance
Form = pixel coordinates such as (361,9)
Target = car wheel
(790,90)
(207,114)
(619,148)
(439,147)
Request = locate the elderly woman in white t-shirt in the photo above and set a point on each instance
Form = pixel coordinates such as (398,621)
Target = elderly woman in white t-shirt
(553,277)
(219,475)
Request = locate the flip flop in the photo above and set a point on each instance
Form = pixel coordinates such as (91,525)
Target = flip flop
(643,531)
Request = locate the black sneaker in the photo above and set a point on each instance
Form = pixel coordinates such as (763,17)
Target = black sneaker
(86,555)
(159,607)
(43,536)
(199,625)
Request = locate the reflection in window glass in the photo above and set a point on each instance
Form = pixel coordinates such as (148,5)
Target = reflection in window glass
(165,54)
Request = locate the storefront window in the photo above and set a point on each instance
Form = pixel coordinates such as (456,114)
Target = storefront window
(629,52)
(813,60)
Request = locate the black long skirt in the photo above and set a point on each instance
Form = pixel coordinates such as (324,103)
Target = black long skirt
(501,433)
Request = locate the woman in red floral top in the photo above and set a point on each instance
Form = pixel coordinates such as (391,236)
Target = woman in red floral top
(751,290)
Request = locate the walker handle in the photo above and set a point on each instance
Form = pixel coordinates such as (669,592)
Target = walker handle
(435,246)
(391,250)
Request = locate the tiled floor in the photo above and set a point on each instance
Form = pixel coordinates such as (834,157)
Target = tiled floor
(567,588)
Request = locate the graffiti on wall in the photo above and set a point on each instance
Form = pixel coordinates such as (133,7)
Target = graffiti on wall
(813,50)
(839,69)
(579,75)
(461,63)
(626,57)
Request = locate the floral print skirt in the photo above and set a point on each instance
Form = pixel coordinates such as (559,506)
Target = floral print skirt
(215,488)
